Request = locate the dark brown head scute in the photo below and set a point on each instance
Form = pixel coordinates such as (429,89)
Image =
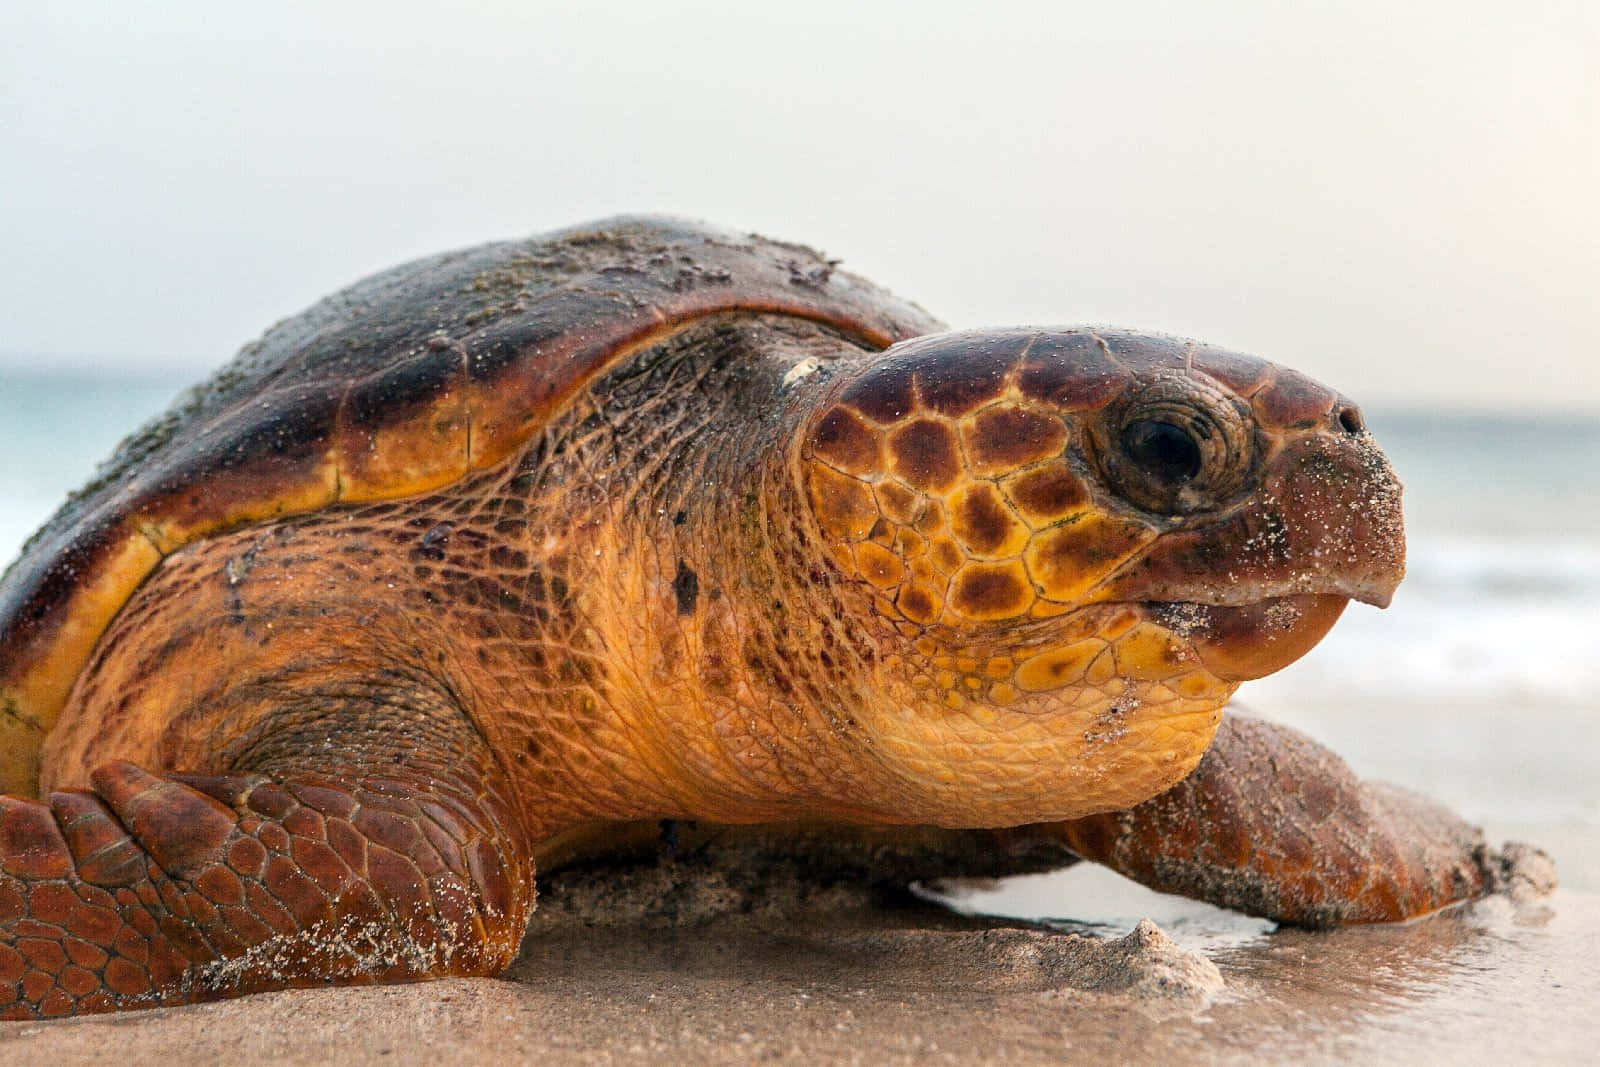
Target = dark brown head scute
(1047,493)
(991,591)
(1003,438)
(884,394)
(878,565)
(1242,374)
(981,519)
(925,455)
(1144,353)
(1293,402)
(917,604)
(1072,549)
(843,440)
(1072,371)
(966,371)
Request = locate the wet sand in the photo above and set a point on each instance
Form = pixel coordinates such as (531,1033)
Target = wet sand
(837,978)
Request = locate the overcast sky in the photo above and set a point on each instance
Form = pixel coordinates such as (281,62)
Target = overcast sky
(1402,198)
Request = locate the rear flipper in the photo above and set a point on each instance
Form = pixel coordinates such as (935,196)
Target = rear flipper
(169,890)
(1273,824)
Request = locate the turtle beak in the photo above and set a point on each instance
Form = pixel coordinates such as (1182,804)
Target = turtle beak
(1377,590)
(1326,521)
(1343,527)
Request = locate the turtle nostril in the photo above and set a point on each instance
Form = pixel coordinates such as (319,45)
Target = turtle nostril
(1352,422)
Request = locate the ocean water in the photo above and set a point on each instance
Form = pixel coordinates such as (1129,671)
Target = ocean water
(1478,685)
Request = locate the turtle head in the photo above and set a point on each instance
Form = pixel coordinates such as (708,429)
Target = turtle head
(1075,544)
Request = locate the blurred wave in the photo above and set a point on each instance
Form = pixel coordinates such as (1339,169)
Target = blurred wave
(1555,569)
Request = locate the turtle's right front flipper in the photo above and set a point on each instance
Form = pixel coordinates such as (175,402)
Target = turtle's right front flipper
(160,890)
(1274,824)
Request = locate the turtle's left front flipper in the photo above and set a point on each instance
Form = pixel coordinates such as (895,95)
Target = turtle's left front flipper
(169,889)
(1273,824)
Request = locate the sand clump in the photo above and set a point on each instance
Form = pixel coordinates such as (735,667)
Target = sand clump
(893,937)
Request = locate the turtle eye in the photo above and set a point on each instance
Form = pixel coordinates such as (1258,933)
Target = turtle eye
(1175,445)
(1166,452)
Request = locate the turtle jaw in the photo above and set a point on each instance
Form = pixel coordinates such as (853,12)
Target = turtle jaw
(1238,643)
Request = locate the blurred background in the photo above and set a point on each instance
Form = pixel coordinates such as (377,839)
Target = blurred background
(1397,198)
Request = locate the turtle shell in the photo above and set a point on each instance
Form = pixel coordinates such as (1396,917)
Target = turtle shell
(396,386)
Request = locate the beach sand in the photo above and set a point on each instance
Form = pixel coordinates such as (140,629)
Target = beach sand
(836,977)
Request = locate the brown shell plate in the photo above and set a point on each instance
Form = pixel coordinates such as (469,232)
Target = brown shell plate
(395,386)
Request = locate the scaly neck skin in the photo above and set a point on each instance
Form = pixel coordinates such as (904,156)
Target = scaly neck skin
(708,652)
(719,693)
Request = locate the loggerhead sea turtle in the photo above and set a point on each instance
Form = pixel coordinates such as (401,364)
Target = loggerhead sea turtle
(483,561)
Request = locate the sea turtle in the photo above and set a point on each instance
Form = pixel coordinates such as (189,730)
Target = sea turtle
(495,557)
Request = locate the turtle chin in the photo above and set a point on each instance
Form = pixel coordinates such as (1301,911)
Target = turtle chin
(1240,642)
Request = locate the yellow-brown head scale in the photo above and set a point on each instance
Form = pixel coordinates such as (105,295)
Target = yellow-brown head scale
(1076,545)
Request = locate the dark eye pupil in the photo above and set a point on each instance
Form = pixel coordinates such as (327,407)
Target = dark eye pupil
(1166,451)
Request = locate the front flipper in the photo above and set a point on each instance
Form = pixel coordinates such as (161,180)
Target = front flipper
(155,890)
(1273,824)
